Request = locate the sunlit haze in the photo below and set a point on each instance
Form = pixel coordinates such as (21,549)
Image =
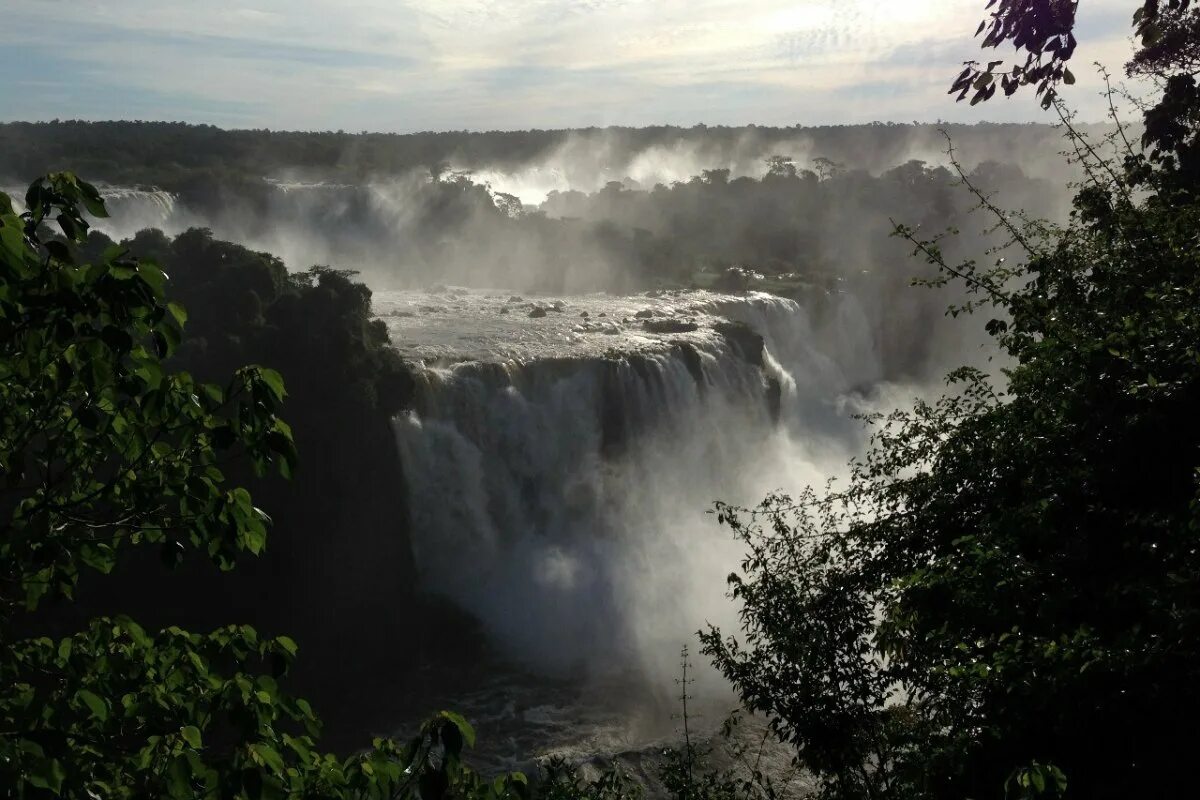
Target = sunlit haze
(510,64)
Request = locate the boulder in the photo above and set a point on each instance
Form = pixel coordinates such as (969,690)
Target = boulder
(669,326)
(743,338)
(537,312)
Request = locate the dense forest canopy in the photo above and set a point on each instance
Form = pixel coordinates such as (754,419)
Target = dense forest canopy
(177,156)
(805,207)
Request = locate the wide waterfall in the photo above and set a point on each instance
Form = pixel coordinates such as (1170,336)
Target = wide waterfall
(559,465)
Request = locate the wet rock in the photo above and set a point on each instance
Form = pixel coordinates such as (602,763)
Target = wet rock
(774,398)
(516,298)
(691,360)
(585,315)
(743,338)
(644,314)
(503,310)
(669,326)
(602,314)
(538,312)
(431,309)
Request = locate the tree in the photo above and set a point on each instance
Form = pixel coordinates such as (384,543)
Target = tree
(1044,30)
(780,167)
(1008,583)
(1003,600)
(102,449)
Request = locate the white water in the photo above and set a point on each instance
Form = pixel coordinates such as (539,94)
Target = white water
(130,209)
(559,477)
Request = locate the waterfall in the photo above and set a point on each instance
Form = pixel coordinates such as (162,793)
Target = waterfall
(130,209)
(562,500)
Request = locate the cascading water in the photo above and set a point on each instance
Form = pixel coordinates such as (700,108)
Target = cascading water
(130,209)
(133,209)
(558,479)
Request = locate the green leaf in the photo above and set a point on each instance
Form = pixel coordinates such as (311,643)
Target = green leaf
(152,276)
(274,381)
(268,756)
(122,272)
(92,200)
(97,706)
(47,774)
(464,727)
(1037,779)
(178,312)
(191,735)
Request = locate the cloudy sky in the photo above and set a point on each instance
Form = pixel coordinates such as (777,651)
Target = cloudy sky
(407,65)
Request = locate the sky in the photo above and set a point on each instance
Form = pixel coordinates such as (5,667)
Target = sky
(415,65)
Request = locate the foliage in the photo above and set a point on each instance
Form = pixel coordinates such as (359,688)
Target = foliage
(347,559)
(561,781)
(804,228)
(102,450)
(1003,598)
(1002,601)
(1167,33)
(208,165)
(1045,31)
(688,772)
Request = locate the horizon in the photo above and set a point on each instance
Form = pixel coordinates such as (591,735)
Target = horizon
(800,126)
(509,65)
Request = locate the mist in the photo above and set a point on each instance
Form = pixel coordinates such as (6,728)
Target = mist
(606,331)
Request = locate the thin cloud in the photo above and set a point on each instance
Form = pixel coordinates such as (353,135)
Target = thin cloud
(484,64)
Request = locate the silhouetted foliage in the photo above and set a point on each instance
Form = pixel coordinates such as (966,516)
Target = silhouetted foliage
(344,561)
(1044,29)
(103,451)
(1002,601)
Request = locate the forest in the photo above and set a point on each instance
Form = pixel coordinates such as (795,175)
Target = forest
(997,599)
(193,159)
